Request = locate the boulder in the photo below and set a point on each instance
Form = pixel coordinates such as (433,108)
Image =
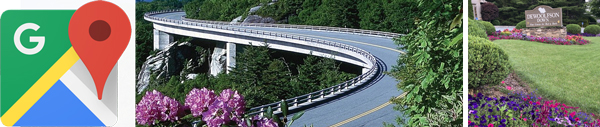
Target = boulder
(258,19)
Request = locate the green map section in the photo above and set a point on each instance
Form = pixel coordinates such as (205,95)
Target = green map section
(21,71)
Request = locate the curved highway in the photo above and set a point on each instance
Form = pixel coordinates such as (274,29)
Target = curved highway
(367,106)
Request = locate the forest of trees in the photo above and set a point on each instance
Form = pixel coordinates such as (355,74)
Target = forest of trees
(512,12)
(382,15)
(260,77)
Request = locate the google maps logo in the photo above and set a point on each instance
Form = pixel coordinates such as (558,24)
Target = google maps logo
(58,67)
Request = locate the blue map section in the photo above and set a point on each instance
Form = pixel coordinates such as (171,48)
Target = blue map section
(59,107)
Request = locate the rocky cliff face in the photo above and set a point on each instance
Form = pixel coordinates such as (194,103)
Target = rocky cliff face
(255,18)
(218,59)
(258,19)
(177,59)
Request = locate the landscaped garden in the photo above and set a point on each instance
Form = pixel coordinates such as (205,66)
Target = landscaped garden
(567,74)
(520,80)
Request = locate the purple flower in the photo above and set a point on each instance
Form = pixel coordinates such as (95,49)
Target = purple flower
(229,106)
(155,106)
(147,110)
(234,100)
(171,110)
(266,123)
(218,114)
(198,100)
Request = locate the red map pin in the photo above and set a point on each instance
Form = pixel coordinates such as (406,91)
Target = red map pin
(99,32)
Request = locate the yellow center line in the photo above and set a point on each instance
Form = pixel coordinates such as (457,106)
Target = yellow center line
(366,113)
(388,48)
(40,87)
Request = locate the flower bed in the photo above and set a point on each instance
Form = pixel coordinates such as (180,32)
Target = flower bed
(516,34)
(520,109)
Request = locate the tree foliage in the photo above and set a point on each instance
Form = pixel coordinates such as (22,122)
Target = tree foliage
(431,71)
(471,15)
(260,77)
(219,10)
(595,7)
(382,15)
(489,11)
(513,11)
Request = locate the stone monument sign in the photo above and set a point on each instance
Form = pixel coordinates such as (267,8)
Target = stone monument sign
(543,16)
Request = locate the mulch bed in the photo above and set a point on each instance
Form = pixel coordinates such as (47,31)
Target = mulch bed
(497,91)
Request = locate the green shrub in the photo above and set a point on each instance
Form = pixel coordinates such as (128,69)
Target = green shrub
(430,70)
(573,28)
(489,28)
(521,25)
(592,29)
(476,29)
(496,22)
(488,64)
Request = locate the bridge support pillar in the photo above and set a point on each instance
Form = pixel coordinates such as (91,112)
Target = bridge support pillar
(231,50)
(223,58)
(161,39)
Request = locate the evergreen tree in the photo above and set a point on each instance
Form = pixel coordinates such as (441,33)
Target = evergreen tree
(249,72)
(512,12)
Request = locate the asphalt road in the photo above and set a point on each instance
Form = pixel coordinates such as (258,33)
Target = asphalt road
(368,104)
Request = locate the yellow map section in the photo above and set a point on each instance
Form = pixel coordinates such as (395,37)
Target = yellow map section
(40,87)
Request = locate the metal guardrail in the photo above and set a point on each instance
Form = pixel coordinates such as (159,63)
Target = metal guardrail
(302,99)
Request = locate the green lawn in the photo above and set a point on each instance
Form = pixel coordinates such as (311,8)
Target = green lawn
(567,73)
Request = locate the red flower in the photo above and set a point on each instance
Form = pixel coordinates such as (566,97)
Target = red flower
(490,125)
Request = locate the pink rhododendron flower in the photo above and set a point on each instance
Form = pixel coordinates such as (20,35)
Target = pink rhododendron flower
(508,88)
(198,100)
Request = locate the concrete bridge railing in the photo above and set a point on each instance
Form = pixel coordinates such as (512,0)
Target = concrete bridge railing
(306,99)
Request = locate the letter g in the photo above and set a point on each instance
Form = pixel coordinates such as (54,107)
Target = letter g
(39,39)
